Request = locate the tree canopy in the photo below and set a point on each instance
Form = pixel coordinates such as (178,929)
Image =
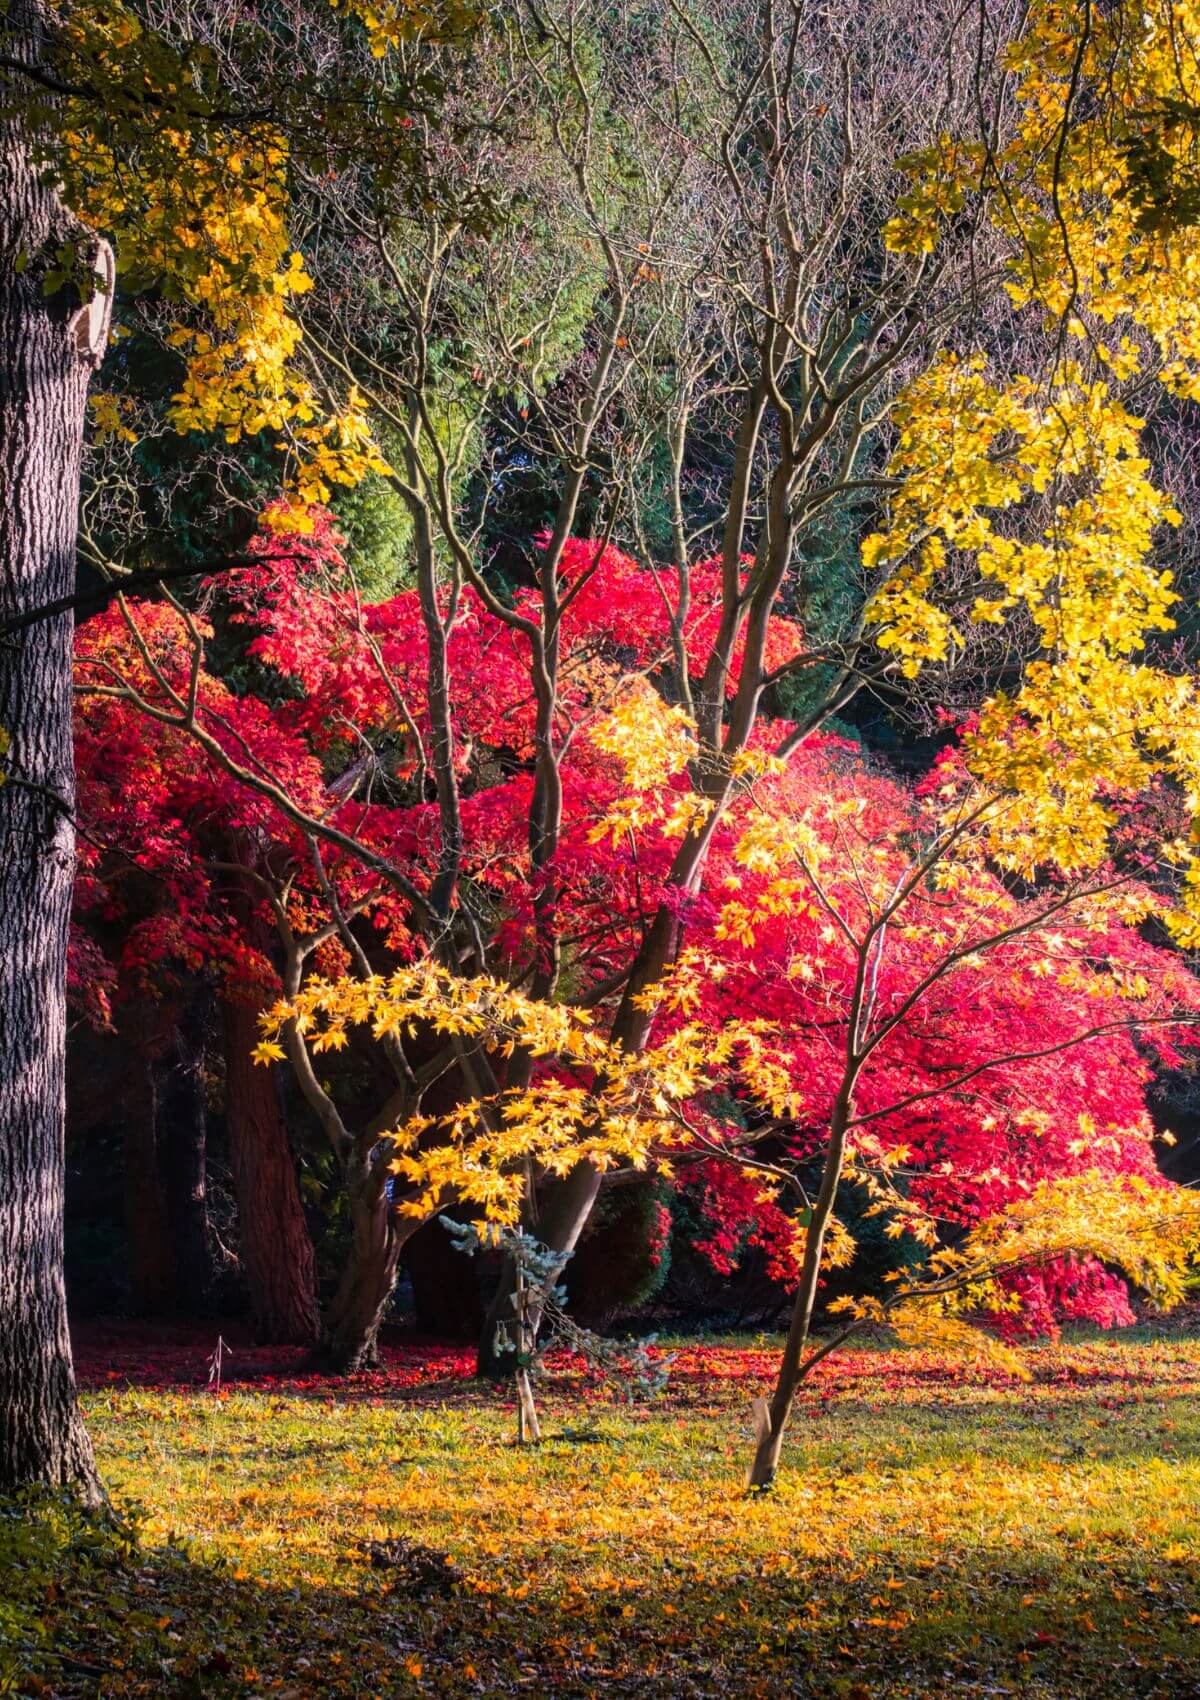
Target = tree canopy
(746,395)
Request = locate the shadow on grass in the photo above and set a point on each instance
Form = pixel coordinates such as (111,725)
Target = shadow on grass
(85,1611)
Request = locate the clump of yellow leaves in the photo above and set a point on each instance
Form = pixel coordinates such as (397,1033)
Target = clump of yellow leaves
(110,415)
(1101,175)
(1092,717)
(592,1102)
(971,449)
(1097,187)
(387,23)
(1150,1232)
(201,209)
(654,743)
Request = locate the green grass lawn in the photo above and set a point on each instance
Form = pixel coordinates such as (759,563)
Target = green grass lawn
(935,1531)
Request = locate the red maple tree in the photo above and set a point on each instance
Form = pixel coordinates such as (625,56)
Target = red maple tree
(368,783)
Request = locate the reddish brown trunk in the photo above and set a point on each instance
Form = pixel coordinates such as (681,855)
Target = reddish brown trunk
(276,1250)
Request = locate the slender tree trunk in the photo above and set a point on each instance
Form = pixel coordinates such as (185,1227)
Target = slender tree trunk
(525,1325)
(276,1249)
(350,1335)
(48,349)
(771,1417)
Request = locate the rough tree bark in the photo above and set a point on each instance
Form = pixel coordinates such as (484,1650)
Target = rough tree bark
(276,1250)
(49,346)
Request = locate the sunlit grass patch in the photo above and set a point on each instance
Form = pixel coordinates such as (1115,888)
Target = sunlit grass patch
(931,1534)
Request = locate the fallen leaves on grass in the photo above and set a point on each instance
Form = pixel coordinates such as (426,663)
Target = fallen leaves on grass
(932,1536)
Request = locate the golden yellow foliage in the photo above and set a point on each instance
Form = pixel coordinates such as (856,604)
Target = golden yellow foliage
(1150,1232)
(1039,487)
(597,1103)
(202,210)
(654,743)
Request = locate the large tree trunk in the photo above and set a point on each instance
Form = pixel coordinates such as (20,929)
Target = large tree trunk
(276,1250)
(48,348)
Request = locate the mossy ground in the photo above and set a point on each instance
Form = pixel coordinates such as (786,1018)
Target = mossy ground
(935,1532)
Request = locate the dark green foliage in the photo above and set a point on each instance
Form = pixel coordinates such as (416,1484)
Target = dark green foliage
(624,1256)
(1164,188)
(875,1257)
(378,531)
(826,597)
